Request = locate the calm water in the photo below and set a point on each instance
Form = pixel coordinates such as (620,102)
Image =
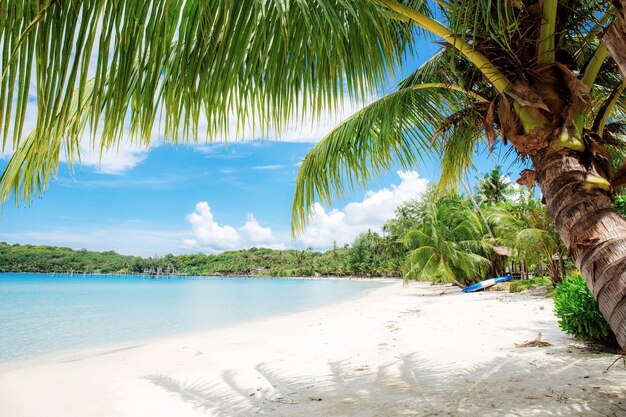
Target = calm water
(41,314)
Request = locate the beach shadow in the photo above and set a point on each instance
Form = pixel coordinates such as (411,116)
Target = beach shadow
(515,385)
(90,355)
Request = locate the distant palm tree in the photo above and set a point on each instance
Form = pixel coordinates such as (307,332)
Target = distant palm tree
(531,233)
(494,187)
(446,246)
(541,75)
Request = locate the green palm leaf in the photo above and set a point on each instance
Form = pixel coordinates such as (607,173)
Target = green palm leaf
(447,245)
(398,128)
(174,65)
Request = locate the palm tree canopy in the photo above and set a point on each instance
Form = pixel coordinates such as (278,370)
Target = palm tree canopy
(494,187)
(450,104)
(527,228)
(447,243)
(106,71)
(111,70)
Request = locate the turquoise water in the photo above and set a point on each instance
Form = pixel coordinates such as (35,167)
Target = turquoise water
(42,314)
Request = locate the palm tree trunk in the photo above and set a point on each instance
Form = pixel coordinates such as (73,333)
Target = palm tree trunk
(497,268)
(468,190)
(595,235)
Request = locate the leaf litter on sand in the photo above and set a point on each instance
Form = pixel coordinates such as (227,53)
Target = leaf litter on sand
(537,342)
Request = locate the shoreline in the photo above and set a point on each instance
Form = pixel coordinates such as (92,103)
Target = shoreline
(85,352)
(155,276)
(395,350)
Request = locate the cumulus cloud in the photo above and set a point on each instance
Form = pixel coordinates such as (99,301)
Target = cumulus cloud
(343,225)
(208,233)
(210,236)
(313,128)
(256,233)
(325,227)
(302,127)
(112,161)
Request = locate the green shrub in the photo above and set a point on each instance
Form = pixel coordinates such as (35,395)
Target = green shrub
(521,285)
(578,312)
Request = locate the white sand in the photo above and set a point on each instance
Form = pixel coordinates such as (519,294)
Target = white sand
(397,351)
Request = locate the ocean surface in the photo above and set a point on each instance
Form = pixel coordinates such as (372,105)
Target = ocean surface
(42,314)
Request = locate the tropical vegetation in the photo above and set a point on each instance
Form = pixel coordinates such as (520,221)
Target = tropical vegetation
(253,261)
(578,312)
(446,244)
(493,187)
(544,78)
(528,230)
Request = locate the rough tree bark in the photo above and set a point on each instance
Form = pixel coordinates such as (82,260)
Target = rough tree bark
(614,38)
(595,235)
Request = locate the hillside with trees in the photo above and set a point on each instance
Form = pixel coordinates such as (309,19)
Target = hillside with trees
(254,261)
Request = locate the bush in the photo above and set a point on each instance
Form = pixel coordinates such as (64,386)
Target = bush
(578,312)
(521,285)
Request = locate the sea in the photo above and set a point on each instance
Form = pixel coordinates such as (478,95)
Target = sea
(46,314)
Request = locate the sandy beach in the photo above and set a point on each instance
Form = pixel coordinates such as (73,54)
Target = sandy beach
(397,351)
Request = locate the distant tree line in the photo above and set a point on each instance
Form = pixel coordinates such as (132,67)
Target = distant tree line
(338,261)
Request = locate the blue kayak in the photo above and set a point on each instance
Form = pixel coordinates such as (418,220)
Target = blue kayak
(487,283)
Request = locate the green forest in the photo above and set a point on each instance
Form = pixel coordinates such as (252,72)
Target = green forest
(253,261)
(491,229)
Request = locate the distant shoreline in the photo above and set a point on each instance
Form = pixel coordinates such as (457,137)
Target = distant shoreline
(158,276)
(252,262)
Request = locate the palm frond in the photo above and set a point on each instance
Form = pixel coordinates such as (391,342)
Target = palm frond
(446,245)
(397,128)
(496,20)
(180,62)
(460,133)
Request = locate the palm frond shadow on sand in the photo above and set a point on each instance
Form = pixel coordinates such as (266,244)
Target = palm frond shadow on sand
(410,386)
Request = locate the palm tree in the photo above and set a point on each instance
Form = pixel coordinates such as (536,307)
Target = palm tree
(527,229)
(543,77)
(534,76)
(493,188)
(446,245)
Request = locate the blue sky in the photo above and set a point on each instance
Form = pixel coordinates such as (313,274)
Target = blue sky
(213,198)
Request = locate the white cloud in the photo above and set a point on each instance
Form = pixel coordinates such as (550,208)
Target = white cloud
(112,161)
(255,232)
(325,226)
(209,236)
(343,225)
(313,128)
(268,167)
(302,127)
